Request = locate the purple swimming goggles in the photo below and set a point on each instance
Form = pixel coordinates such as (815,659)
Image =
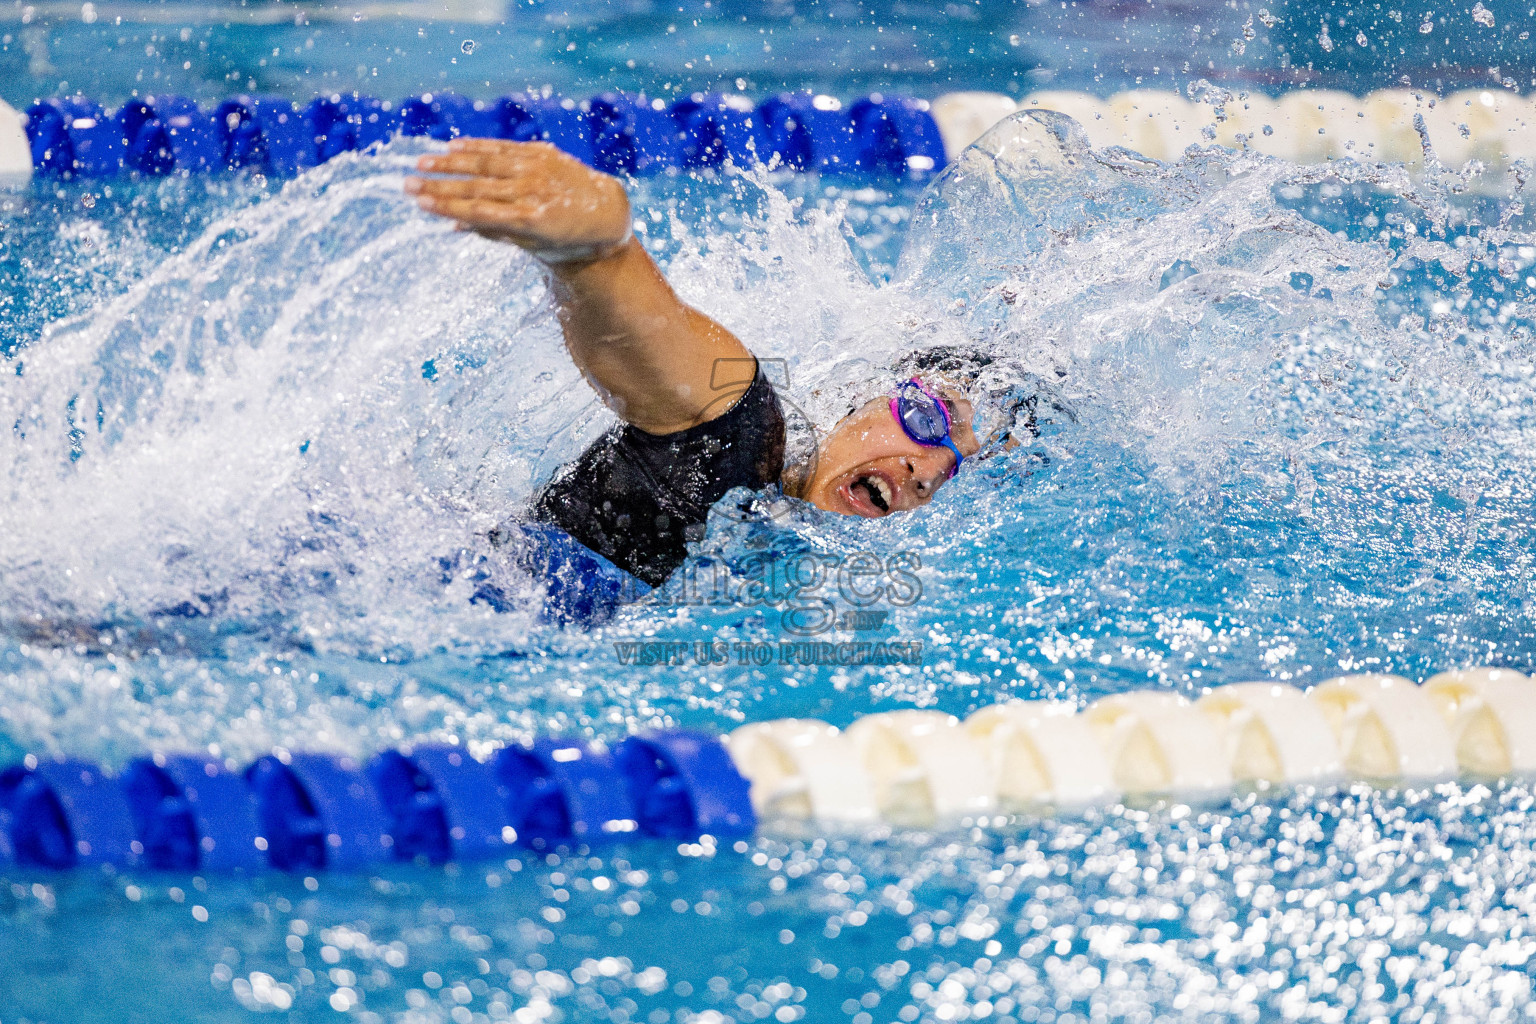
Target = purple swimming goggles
(924,418)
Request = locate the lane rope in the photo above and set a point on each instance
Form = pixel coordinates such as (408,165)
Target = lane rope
(926,768)
(1312,126)
(298,811)
(617,132)
(877,134)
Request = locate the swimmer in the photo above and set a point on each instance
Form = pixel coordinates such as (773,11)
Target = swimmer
(700,417)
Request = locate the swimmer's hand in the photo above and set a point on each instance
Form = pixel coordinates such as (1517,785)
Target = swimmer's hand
(527,193)
(656,361)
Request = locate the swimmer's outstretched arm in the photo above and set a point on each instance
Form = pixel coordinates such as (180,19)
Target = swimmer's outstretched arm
(657,362)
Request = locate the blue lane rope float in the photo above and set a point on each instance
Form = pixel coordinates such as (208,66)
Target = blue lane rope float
(437,803)
(616,132)
(682,783)
(310,812)
(190,811)
(558,790)
(66,812)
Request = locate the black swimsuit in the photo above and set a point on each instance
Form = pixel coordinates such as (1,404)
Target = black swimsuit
(637,499)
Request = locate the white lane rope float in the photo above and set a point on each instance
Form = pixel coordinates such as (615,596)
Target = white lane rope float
(927,768)
(1306,126)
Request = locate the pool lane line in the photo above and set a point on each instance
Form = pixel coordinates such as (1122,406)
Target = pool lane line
(877,134)
(433,803)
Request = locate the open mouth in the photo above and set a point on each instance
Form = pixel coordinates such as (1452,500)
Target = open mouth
(877,490)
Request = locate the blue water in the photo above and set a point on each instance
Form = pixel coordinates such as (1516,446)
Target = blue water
(252,421)
(757,46)
(1355,906)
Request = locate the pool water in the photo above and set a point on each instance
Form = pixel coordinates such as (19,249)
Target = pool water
(924,47)
(1316,907)
(260,428)
(1298,446)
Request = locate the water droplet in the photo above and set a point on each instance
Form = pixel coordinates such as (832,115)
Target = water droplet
(468,46)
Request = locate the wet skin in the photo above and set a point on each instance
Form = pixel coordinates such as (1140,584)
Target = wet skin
(868,466)
(658,363)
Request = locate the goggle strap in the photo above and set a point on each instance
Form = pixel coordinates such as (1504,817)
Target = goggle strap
(947,442)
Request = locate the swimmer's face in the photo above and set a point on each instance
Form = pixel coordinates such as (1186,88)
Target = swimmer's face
(869,467)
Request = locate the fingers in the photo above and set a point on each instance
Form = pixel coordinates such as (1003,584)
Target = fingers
(448,163)
(530,242)
(528,193)
(484,213)
(471,145)
(484,157)
(504,189)
(491,163)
